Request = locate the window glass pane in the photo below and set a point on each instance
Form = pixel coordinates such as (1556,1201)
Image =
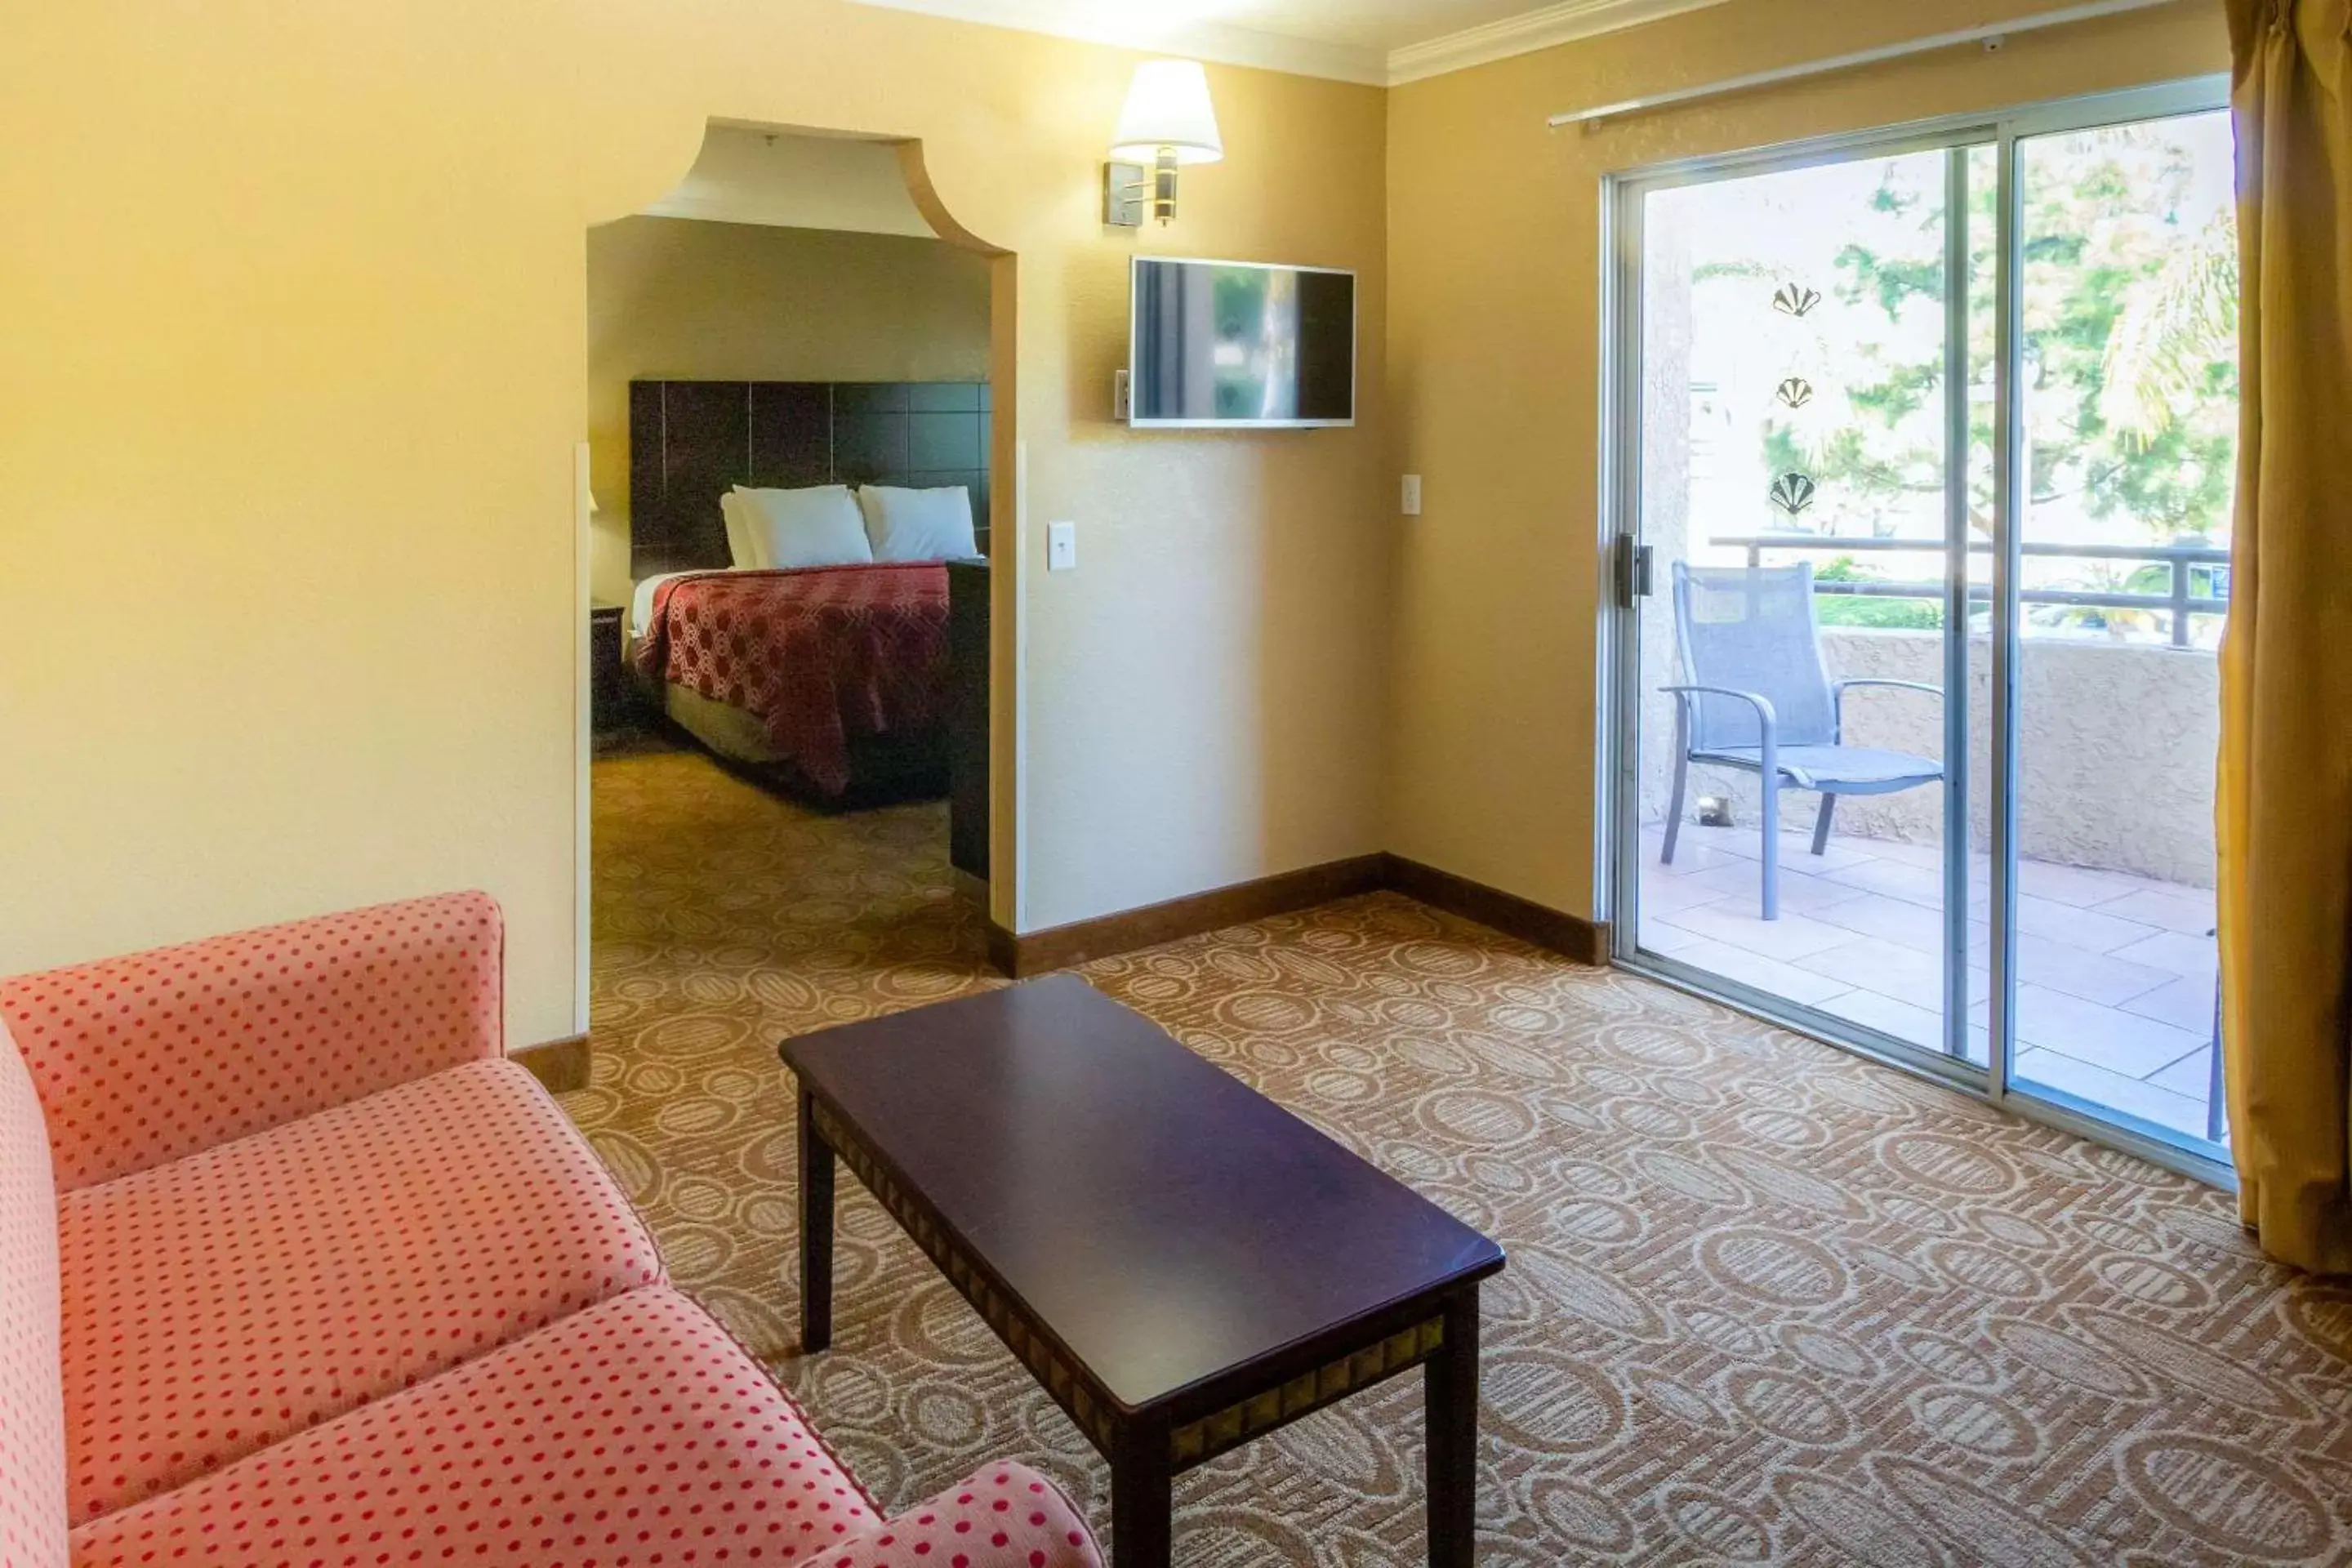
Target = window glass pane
(2129,383)
(1795,433)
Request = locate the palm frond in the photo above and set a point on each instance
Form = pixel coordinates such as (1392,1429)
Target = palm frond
(2174,323)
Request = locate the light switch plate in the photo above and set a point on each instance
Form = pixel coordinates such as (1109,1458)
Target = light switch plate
(1409,500)
(1061,547)
(1120,394)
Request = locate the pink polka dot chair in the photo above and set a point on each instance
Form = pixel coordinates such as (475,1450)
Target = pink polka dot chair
(295,1267)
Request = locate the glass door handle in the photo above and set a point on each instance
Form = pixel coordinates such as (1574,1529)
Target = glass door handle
(1632,571)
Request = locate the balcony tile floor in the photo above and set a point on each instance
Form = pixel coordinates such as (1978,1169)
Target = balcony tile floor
(2114,997)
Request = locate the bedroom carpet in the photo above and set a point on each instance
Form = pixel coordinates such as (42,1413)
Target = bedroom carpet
(1765,1302)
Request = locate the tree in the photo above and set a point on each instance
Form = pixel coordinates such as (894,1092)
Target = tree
(2129,308)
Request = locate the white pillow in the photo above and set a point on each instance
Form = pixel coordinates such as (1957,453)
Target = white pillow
(819,526)
(919,525)
(740,553)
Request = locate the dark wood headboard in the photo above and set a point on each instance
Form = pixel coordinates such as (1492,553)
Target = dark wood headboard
(689,440)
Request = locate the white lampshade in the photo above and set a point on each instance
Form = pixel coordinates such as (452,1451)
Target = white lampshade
(1168,106)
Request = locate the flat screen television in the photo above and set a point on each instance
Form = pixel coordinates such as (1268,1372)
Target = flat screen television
(1240,343)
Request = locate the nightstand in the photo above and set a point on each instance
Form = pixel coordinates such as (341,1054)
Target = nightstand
(609,704)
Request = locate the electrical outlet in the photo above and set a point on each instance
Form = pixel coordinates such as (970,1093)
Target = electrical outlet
(1061,547)
(1410,502)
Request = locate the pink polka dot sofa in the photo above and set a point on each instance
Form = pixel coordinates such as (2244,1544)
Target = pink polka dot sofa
(295,1267)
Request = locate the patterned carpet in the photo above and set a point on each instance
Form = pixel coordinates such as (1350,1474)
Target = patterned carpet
(1765,1302)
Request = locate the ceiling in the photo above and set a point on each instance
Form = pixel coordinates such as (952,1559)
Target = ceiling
(1379,41)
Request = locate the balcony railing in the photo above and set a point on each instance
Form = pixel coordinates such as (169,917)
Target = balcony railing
(2180,602)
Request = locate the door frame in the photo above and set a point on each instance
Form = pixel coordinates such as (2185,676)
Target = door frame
(1003,894)
(1617,781)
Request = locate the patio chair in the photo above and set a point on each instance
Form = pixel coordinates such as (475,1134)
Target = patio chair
(1756,695)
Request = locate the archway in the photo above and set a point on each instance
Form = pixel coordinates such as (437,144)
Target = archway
(914,190)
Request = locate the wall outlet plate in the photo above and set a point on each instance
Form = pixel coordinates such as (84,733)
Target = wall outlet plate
(1061,547)
(1119,404)
(1409,496)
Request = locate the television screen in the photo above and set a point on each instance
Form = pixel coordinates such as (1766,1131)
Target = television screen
(1235,342)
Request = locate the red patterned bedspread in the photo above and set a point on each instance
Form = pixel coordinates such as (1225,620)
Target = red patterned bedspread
(821,655)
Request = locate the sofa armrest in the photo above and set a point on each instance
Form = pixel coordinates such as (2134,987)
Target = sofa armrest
(1006,1516)
(142,1059)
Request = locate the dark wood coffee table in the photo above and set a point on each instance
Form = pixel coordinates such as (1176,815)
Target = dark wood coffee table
(1181,1263)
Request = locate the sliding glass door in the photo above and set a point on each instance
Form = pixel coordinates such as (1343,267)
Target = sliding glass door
(1920,471)
(2128,412)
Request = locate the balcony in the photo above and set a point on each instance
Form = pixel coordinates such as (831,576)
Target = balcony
(2116,956)
(1871,364)
(2114,1000)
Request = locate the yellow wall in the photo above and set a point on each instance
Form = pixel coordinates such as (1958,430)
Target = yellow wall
(294,298)
(1495,377)
(684,299)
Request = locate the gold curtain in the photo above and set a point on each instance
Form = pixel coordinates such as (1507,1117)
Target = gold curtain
(2283,817)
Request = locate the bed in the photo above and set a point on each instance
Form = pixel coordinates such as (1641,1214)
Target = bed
(842,682)
(795,668)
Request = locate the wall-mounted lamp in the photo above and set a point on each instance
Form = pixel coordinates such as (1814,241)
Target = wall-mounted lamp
(1168,120)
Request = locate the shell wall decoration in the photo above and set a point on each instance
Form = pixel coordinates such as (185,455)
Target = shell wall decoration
(1793,493)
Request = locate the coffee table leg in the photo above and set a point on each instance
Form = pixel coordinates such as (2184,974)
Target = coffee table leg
(816,1235)
(1141,1499)
(1451,1381)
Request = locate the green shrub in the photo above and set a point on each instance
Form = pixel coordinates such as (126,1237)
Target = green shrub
(1857,610)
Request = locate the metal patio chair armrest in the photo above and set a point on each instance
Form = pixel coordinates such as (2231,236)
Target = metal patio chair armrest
(1839,685)
(1756,699)
(1768,722)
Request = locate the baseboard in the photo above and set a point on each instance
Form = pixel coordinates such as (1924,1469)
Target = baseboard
(560,1065)
(1538,925)
(1060,947)
(1286,893)
(1004,950)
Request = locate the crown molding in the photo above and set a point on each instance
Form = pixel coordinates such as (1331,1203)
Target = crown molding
(1564,21)
(1195,40)
(1561,23)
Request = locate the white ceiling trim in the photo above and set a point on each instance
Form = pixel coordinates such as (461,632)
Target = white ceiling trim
(1196,40)
(1562,23)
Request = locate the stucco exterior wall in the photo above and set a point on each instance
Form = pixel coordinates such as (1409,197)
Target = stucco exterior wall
(2116,751)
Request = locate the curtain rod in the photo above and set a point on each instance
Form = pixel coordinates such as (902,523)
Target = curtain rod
(1987,33)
